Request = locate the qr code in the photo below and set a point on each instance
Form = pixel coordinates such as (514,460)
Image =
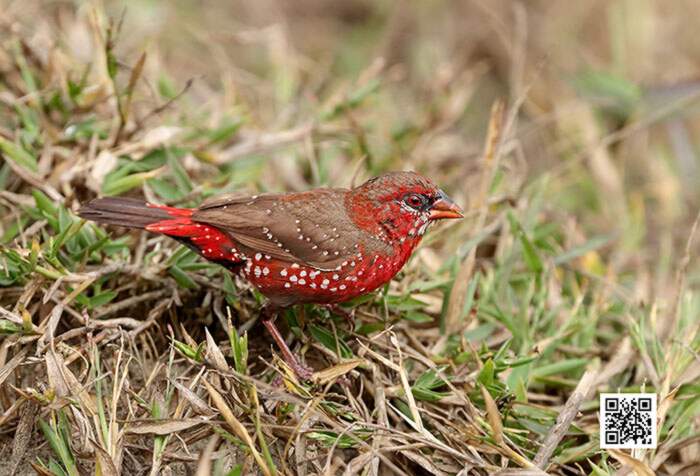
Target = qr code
(628,420)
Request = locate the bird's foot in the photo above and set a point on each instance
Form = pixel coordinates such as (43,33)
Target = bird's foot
(301,370)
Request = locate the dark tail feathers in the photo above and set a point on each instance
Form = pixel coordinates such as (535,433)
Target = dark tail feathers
(128,212)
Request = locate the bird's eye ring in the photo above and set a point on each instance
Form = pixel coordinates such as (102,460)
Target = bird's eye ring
(415,200)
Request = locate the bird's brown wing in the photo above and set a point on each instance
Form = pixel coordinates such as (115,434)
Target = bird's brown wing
(311,228)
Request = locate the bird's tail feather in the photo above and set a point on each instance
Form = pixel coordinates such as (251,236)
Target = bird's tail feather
(129,212)
(177,223)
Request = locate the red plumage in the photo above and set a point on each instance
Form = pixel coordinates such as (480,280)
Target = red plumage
(322,246)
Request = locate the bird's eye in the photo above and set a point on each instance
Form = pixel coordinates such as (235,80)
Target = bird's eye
(415,200)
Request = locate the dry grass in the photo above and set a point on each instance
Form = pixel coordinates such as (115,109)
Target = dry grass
(567,130)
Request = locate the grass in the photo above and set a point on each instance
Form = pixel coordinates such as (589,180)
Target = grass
(573,273)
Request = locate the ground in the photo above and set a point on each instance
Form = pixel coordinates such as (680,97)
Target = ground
(567,131)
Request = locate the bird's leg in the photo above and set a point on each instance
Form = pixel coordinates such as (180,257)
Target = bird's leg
(269,313)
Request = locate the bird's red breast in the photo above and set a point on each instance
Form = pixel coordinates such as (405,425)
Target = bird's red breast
(320,246)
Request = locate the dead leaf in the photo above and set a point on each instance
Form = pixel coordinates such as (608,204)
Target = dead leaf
(205,457)
(493,415)
(335,371)
(105,465)
(53,372)
(105,162)
(520,472)
(64,382)
(423,462)
(198,405)
(9,367)
(162,427)
(238,429)
(40,470)
(214,354)
(638,466)
(23,434)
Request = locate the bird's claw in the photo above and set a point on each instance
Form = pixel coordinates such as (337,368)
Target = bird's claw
(302,371)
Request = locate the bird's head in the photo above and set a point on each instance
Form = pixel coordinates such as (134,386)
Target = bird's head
(399,206)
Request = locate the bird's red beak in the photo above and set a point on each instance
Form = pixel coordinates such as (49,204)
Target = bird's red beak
(444,207)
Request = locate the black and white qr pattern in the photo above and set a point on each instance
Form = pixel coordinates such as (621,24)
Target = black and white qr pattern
(628,420)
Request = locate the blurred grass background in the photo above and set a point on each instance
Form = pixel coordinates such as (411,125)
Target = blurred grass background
(574,271)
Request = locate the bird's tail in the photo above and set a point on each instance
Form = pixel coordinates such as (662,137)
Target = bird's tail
(205,239)
(132,213)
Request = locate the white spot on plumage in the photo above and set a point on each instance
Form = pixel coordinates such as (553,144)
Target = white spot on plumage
(341,287)
(302,282)
(303,273)
(293,278)
(325,282)
(258,256)
(335,277)
(283,272)
(287,285)
(266,271)
(295,265)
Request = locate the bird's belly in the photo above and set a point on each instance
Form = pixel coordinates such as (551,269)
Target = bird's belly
(287,283)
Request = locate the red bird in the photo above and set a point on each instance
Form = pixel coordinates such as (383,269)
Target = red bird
(323,246)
